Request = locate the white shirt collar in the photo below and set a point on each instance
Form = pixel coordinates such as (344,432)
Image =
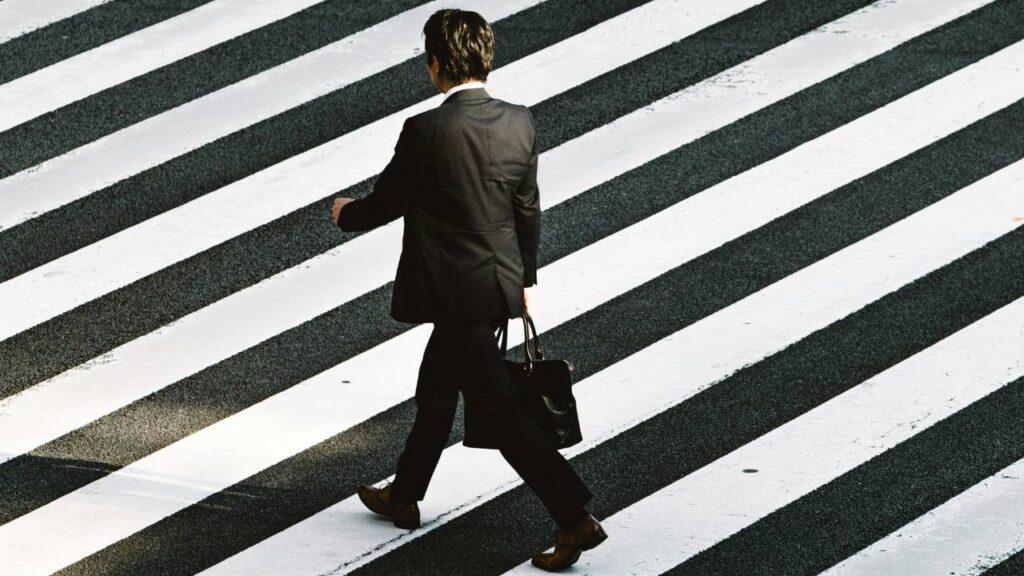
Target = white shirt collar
(464,86)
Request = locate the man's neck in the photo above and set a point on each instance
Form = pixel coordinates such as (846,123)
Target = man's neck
(464,86)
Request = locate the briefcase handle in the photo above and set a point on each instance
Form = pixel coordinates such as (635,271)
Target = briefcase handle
(527,326)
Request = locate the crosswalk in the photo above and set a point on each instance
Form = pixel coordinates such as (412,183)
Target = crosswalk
(343,162)
(781,245)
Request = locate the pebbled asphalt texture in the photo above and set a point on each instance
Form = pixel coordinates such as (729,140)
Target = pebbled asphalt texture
(805,537)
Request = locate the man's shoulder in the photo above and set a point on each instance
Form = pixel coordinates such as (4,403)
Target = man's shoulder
(421,119)
(519,109)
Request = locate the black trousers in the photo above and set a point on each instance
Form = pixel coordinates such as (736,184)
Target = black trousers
(465,356)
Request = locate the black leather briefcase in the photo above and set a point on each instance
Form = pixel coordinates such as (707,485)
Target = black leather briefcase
(544,387)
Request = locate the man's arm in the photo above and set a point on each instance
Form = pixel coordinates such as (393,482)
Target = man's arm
(394,189)
(526,209)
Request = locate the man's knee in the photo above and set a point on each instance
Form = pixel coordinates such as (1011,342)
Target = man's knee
(437,405)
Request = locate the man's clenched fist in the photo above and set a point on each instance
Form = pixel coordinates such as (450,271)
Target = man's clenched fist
(336,208)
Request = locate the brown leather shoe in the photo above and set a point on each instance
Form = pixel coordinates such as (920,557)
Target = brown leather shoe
(570,543)
(403,514)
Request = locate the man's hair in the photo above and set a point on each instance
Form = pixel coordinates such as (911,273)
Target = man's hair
(462,42)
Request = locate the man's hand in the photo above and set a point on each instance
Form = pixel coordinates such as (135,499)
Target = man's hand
(336,208)
(525,297)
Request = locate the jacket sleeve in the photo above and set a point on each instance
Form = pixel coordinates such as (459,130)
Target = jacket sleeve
(526,209)
(394,188)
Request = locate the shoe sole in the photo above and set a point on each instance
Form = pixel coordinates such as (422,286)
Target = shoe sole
(573,559)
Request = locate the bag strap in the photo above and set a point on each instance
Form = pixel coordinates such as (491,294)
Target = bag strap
(528,326)
(539,353)
(503,332)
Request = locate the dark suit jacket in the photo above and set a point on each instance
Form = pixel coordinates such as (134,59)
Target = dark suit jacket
(464,176)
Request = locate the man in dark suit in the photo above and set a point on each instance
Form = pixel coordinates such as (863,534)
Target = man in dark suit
(464,177)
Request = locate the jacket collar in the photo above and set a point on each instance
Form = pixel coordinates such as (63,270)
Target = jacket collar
(467,94)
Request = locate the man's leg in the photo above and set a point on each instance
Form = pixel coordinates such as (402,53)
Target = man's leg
(436,402)
(546,471)
(524,445)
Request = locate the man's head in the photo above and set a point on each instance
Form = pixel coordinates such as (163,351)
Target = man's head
(459,47)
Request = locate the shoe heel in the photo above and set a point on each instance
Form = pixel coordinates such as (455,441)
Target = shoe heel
(407,525)
(595,539)
(409,521)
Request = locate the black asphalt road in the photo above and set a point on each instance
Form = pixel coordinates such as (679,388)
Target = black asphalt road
(806,537)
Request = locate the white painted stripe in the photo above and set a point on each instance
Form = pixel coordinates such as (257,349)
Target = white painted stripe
(236,447)
(222,329)
(645,383)
(160,241)
(966,535)
(85,74)
(709,505)
(180,130)
(19,17)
